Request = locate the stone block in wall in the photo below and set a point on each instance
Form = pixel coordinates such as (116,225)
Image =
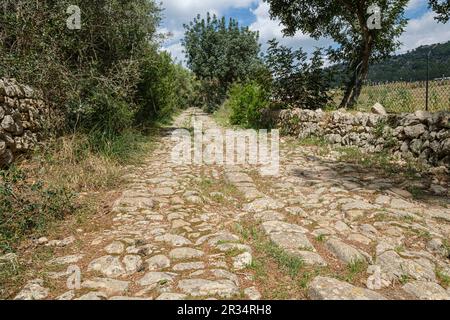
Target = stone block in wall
(23,114)
(423,135)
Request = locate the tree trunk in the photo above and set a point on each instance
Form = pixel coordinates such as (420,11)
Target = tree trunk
(348,93)
(360,69)
(359,72)
(360,77)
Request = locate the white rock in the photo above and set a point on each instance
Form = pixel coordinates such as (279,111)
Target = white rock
(377,108)
(425,290)
(33,290)
(108,286)
(242,261)
(203,288)
(153,278)
(158,262)
(185,253)
(116,247)
(323,288)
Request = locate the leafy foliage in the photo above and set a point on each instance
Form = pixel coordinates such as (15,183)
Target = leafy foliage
(296,81)
(442,8)
(410,66)
(246,102)
(345,22)
(219,53)
(175,88)
(101,75)
(26,207)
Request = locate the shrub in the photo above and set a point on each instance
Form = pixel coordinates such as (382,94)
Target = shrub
(164,87)
(295,81)
(28,206)
(92,73)
(246,102)
(219,52)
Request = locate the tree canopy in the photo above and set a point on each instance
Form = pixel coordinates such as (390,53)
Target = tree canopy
(346,22)
(442,8)
(220,52)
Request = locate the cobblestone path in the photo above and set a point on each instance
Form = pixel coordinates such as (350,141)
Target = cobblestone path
(178,232)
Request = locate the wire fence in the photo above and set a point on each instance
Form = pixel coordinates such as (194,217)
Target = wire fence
(407,96)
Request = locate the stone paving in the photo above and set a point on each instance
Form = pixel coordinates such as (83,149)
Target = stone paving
(168,239)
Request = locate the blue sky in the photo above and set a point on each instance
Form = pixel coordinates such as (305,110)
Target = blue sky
(422,28)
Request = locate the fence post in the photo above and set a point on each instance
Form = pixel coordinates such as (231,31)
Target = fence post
(428,80)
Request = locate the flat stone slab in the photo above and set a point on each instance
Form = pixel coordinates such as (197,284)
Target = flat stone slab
(280,226)
(425,290)
(269,216)
(153,278)
(242,261)
(61,243)
(189,266)
(125,298)
(173,240)
(108,265)
(185,253)
(108,286)
(291,241)
(116,247)
(225,247)
(393,266)
(172,296)
(92,296)
(33,290)
(138,203)
(323,288)
(252,293)
(158,262)
(309,258)
(66,260)
(443,214)
(263,204)
(133,263)
(344,252)
(357,205)
(202,288)
(165,191)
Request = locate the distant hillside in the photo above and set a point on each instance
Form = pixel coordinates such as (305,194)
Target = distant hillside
(411,66)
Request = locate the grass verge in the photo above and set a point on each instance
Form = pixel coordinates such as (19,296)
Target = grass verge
(58,189)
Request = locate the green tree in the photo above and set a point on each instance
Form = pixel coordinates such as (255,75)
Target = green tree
(346,22)
(220,53)
(442,8)
(92,73)
(173,90)
(246,102)
(296,81)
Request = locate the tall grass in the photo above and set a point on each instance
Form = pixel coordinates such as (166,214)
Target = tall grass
(46,187)
(404,96)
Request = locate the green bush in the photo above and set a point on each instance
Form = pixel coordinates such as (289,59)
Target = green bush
(164,87)
(28,206)
(296,80)
(219,52)
(246,102)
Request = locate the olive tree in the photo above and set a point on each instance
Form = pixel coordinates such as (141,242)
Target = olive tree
(350,24)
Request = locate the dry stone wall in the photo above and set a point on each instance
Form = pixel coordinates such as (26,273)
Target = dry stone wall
(23,117)
(421,135)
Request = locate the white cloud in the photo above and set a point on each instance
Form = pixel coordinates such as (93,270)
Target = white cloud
(269,29)
(178,12)
(420,31)
(424,31)
(176,50)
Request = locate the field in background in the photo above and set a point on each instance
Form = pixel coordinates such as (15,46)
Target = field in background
(404,96)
